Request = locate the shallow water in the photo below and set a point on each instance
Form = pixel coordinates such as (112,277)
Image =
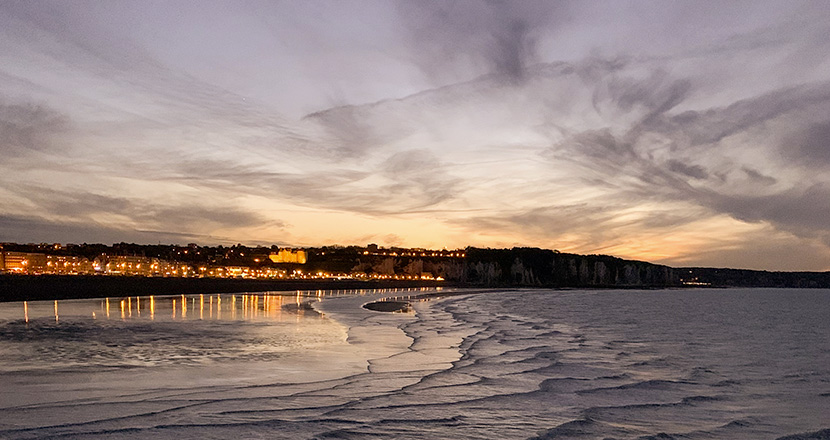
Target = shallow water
(691,364)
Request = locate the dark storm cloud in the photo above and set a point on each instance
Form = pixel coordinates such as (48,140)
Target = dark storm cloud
(500,34)
(28,127)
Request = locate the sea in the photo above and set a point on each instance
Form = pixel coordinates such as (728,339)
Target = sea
(458,364)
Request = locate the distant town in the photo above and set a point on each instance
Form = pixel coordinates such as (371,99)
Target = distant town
(28,268)
(237,261)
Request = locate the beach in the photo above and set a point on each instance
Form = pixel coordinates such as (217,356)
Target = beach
(528,363)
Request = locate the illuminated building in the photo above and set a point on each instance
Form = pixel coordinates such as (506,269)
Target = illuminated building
(247,272)
(288,256)
(56,264)
(373,249)
(24,262)
(144,266)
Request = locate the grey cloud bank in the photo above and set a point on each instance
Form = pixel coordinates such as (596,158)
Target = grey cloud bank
(684,133)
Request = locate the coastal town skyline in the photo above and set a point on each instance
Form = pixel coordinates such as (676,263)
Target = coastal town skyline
(236,261)
(684,134)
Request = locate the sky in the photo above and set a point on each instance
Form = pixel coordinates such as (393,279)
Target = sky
(688,133)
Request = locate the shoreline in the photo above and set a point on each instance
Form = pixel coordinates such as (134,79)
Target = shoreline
(60,287)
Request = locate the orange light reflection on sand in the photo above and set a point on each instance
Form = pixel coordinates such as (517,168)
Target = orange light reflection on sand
(264,306)
(298,308)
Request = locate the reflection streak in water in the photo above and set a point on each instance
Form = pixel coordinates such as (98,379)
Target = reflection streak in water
(249,306)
